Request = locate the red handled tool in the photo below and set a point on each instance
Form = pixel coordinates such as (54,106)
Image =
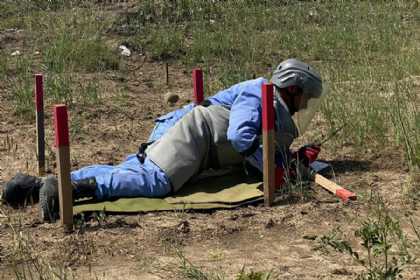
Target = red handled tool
(340,192)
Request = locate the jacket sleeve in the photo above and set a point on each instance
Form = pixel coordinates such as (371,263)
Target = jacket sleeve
(245,122)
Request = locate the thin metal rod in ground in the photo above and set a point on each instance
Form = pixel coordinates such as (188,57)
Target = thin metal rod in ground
(167,73)
(40,131)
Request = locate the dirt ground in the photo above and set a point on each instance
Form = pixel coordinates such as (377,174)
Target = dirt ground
(282,239)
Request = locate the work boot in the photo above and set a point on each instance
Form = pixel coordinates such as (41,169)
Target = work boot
(49,206)
(21,189)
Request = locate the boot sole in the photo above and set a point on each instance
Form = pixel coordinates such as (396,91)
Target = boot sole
(48,200)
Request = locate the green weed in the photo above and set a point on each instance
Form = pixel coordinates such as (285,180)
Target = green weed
(90,55)
(3,64)
(49,5)
(415,229)
(24,258)
(405,119)
(79,44)
(191,271)
(166,42)
(89,93)
(59,88)
(385,246)
(21,91)
(73,44)
(252,275)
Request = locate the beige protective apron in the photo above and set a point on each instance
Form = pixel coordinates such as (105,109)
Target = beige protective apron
(199,142)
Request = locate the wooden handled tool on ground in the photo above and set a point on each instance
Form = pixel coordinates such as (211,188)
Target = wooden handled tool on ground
(331,186)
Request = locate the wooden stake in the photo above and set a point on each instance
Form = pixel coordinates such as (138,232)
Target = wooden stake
(268,144)
(40,132)
(62,144)
(197,76)
(331,186)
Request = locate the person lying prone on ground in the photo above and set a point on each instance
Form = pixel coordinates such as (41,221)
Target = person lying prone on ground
(224,131)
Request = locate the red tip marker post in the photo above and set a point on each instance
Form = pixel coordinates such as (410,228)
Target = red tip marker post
(268,143)
(40,131)
(197,76)
(63,156)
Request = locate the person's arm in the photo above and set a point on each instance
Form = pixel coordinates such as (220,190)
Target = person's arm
(245,123)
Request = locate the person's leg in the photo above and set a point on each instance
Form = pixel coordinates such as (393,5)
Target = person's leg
(90,171)
(132,179)
(129,179)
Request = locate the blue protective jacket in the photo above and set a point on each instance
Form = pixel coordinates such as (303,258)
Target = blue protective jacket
(243,100)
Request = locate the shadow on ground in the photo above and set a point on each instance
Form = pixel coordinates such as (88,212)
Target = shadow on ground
(344,166)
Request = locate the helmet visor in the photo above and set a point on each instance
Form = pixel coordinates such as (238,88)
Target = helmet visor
(307,105)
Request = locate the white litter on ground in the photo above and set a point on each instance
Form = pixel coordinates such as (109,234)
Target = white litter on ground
(15,53)
(124,51)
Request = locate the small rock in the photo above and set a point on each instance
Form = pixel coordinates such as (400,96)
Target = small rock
(313,14)
(269,224)
(183,226)
(11,30)
(171,98)
(247,215)
(15,53)
(341,271)
(124,51)
(234,217)
(309,237)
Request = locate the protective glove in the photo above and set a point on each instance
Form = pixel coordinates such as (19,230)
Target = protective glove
(254,166)
(307,154)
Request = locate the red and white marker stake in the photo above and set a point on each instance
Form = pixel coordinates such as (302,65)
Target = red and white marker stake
(62,144)
(197,76)
(40,131)
(268,143)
